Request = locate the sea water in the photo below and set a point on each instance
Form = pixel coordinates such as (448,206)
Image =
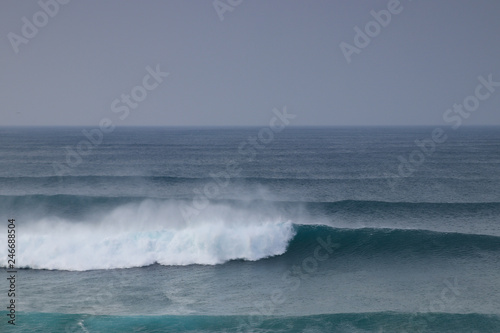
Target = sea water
(223,230)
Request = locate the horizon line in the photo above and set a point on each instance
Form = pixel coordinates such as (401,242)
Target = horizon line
(238,126)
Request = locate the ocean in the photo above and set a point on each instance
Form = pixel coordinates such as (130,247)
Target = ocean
(348,229)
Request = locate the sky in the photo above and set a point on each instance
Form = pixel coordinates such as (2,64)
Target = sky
(231,62)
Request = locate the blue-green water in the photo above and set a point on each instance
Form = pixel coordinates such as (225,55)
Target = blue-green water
(189,229)
(358,322)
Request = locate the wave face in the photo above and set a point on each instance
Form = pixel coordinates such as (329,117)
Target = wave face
(393,242)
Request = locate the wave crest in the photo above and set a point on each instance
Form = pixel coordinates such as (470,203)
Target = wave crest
(83,247)
(143,233)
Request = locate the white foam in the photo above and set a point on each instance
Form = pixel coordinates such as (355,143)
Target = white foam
(136,235)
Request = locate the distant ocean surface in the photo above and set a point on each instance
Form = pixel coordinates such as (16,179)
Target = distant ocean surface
(220,230)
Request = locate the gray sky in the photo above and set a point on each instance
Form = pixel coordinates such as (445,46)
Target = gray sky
(263,54)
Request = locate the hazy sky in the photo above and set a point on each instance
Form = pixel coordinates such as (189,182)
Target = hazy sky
(263,54)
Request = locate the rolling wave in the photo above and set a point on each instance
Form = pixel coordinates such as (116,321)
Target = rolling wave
(69,246)
(73,232)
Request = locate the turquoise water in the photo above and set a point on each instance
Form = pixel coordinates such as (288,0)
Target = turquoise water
(359,322)
(315,232)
